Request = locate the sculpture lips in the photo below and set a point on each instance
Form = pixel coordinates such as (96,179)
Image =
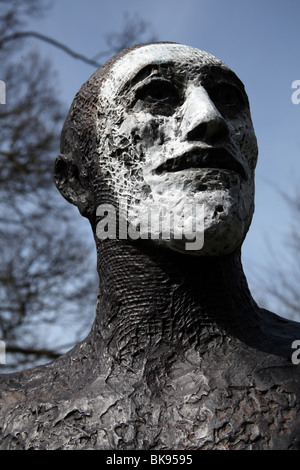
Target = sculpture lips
(218,158)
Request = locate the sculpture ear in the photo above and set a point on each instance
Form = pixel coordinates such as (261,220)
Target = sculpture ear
(68,181)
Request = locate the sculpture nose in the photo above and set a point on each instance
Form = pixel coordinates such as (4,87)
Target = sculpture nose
(201,119)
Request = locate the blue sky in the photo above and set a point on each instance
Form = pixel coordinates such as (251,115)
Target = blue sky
(258,39)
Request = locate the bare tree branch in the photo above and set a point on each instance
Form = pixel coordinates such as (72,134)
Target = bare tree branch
(53,42)
(32,352)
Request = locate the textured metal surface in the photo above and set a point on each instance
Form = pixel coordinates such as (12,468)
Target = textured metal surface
(179,357)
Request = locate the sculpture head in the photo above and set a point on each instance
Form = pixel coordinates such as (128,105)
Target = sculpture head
(159,131)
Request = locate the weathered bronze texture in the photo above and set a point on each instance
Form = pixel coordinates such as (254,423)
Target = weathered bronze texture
(180,356)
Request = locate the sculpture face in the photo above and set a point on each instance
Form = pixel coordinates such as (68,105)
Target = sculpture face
(175,135)
(178,134)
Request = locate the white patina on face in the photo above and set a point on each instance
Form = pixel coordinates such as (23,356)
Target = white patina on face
(178,133)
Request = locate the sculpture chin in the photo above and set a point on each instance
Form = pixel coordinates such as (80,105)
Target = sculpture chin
(216,240)
(211,222)
(215,228)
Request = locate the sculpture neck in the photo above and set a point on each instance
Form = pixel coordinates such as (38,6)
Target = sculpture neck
(150,296)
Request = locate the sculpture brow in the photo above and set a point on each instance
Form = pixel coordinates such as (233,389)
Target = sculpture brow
(144,73)
(227,75)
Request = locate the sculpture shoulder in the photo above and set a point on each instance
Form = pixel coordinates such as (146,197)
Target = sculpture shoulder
(287,326)
(273,333)
(250,400)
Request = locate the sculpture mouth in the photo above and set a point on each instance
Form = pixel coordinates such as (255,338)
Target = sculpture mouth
(202,158)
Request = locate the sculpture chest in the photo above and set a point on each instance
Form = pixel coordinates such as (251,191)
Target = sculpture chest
(248,402)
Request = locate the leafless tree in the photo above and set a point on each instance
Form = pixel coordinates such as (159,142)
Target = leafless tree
(276,278)
(284,271)
(47,273)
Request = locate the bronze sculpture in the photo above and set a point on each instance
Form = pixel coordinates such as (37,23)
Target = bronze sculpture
(180,356)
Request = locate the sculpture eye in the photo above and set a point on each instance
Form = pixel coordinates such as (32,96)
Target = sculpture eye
(158,91)
(227,97)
